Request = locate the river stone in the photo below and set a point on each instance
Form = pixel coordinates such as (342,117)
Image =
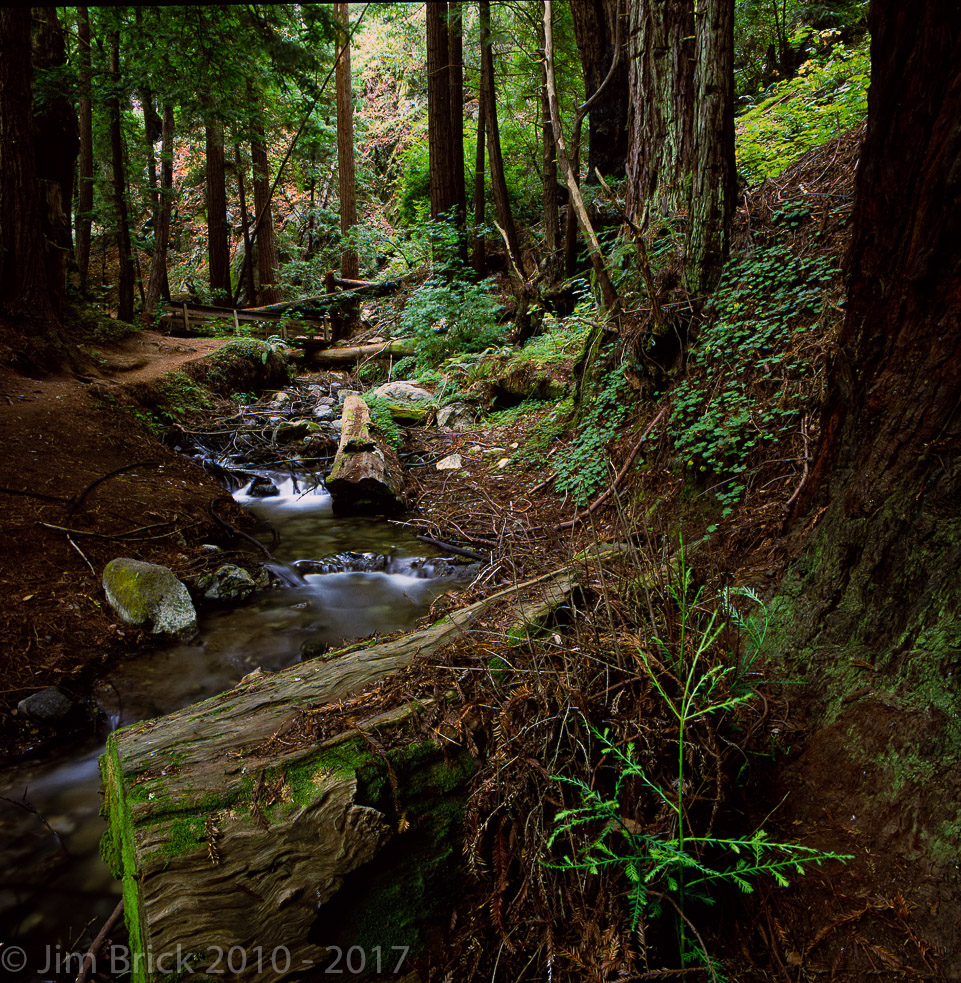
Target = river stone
(324,413)
(457,416)
(262,487)
(406,402)
(46,705)
(450,463)
(149,595)
(291,431)
(227,583)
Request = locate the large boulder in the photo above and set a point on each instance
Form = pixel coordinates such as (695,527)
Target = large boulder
(407,403)
(149,596)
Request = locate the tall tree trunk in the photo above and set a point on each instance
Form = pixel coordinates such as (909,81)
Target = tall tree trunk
(248,273)
(218,246)
(268,265)
(479,259)
(439,137)
(56,143)
(714,182)
(85,176)
(608,293)
(552,222)
(125,253)
(455,50)
(24,290)
(158,286)
(350,266)
(596,27)
(498,182)
(877,586)
(661,117)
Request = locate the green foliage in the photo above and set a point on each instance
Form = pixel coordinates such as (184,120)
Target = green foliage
(383,420)
(691,679)
(452,317)
(827,97)
(583,466)
(746,363)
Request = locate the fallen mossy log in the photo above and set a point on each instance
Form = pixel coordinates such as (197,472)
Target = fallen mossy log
(234,840)
(367,476)
(350,354)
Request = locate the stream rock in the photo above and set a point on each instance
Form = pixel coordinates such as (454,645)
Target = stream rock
(150,596)
(46,706)
(227,583)
(262,487)
(407,403)
(457,416)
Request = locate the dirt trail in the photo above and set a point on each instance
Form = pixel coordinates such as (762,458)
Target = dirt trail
(59,435)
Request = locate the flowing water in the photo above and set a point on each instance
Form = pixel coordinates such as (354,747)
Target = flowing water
(53,882)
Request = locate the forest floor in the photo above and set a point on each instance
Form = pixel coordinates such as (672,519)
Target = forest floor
(81,483)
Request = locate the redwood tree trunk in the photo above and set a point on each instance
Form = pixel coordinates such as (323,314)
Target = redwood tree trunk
(439,138)
(874,601)
(124,251)
(248,271)
(350,266)
(267,262)
(479,259)
(455,51)
(24,290)
(660,160)
(714,181)
(595,27)
(498,182)
(157,286)
(85,175)
(218,246)
(55,145)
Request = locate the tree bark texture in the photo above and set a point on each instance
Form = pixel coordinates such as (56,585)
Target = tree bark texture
(608,293)
(660,122)
(124,250)
(268,265)
(595,27)
(24,290)
(714,178)
(85,175)
(439,136)
(349,263)
(877,584)
(248,269)
(56,144)
(218,245)
(455,51)
(158,286)
(498,182)
(479,258)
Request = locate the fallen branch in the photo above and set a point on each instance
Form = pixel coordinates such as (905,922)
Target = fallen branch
(77,500)
(598,502)
(223,523)
(806,459)
(90,958)
(453,549)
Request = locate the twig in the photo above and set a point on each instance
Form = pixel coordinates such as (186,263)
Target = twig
(103,535)
(82,555)
(453,549)
(234,531)
(29,494)
(807,459)
(90,958)
(598,502)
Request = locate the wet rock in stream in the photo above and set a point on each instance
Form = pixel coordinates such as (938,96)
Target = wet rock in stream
(150,596)
(46,706)
(228,583)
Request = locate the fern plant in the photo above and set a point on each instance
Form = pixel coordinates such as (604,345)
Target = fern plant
(673,863)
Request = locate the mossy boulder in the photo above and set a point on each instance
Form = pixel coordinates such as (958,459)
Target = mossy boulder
(407,403)
(150,596)
(227,584)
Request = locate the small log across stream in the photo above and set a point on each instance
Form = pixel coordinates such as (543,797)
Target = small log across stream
(232,840)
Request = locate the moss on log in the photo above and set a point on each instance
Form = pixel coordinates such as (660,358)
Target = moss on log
(229,839)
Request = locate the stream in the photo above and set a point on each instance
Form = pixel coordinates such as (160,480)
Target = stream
(357,577)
